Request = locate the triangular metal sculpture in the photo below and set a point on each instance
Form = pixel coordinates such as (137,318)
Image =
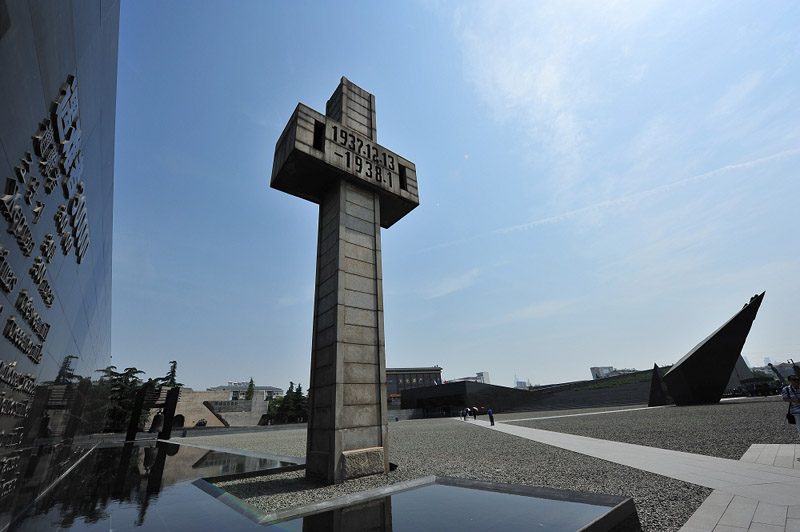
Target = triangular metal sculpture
(741,374)
(659,395)
(701,376)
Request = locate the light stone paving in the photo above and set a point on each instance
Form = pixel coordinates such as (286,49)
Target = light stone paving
(758,493)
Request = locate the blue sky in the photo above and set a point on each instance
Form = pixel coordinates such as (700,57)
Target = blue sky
(601,183)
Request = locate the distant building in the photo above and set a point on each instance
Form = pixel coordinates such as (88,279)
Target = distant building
(521,385)
(215,408)
(237,390)
(602,372)
(399,379)
(481,377)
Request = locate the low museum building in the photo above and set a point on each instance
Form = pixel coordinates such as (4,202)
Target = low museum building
(238,389)
(399,379)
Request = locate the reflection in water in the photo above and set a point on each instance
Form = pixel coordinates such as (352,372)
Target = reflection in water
(125,484)
(372,516)
(481,507)
(49,427)
(156,487)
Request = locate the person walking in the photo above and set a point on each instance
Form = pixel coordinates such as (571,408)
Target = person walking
(491,416)
(475,413)
(791,394)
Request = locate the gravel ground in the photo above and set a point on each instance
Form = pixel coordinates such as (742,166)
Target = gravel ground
(422,448)
(725,430)
(449,447)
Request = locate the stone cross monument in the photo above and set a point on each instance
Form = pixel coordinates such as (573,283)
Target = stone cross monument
(360,186)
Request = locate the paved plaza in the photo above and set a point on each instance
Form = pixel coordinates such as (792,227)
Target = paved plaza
(717,468)
(758,493)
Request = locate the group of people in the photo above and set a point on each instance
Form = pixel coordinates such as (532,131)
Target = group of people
(474,411)
(791,394)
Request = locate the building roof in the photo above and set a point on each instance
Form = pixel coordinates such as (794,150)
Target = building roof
(436,369)
(229,387)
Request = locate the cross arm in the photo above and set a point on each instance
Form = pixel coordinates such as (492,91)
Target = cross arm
(314,151)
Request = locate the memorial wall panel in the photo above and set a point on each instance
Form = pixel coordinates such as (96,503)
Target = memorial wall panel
(57,114)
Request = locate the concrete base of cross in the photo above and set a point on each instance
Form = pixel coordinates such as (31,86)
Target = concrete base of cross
(362,462)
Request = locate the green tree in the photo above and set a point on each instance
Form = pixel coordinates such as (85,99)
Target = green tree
(65,372)
(272,409)
(170,380)
(300,410)
(122,388)
(291,408)
(285,409)
(251,390)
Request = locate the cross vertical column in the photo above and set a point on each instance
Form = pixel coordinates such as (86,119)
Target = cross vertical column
(347,398)
(360,187)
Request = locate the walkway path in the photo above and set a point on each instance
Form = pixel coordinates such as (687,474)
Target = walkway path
(759,493)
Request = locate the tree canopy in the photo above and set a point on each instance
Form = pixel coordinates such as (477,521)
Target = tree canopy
(251,390)
(120,387)
(291,408)
(170,379)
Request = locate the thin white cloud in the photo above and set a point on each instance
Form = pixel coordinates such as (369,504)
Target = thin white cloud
(537,311)
(633,198)
(535,64)
(452,284)
(736,95)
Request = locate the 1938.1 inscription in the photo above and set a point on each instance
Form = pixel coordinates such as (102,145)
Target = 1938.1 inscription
(363,156)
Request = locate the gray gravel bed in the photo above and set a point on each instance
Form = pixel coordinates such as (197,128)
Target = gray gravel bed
(449,447)
(725,430)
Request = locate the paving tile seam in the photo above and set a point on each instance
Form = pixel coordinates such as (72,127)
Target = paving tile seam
(693,461)
(586,414)
(756,495)
(695,475)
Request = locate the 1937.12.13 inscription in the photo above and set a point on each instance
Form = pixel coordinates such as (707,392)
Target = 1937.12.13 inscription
(362,156)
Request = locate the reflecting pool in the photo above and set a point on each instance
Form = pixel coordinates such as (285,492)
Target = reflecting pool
(165,487)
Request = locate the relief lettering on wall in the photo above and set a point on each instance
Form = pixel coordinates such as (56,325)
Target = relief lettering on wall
(28,181)
(66,124)
(37,211)
(46,292)
(16,410)
(13,438)
(78,221)
(7,487)
(44,145)
(10,407)
(56,159)
(9,473)
(7,278)
(17,224)
(62,223)
(8,464)
(16,380)
(38,270)
(22,340)
(48,247)
(28,313)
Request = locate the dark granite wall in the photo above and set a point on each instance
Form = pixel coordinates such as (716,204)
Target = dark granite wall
(58,78)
